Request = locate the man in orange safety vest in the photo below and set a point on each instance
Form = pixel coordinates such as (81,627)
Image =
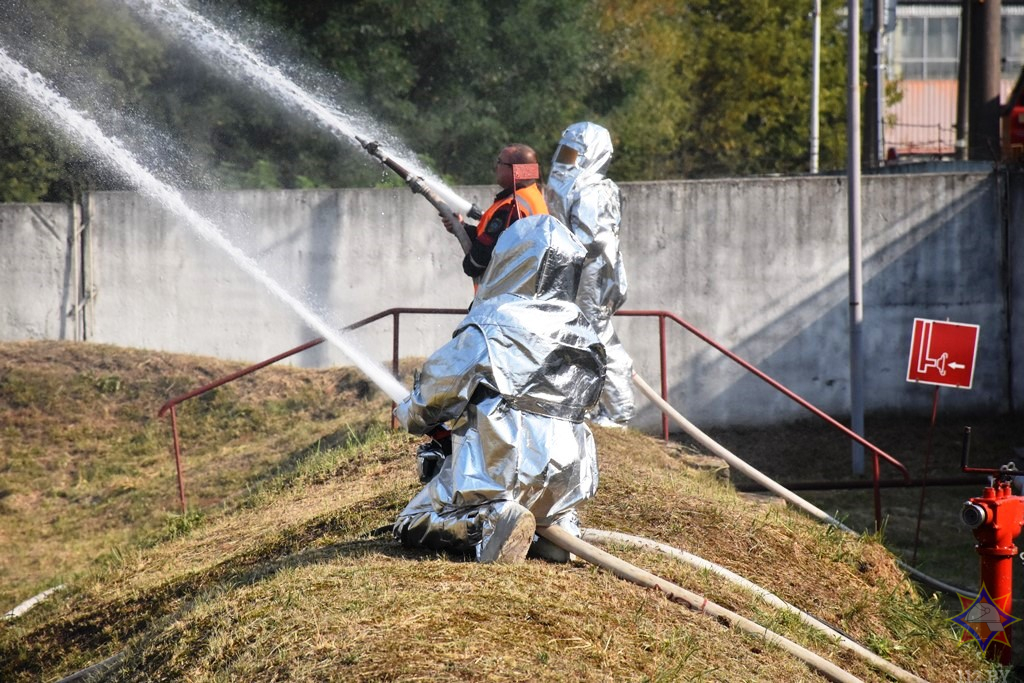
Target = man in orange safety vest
(516,171)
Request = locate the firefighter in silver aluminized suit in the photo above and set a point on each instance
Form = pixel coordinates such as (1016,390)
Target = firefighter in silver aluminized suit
(513,385)
(580,196)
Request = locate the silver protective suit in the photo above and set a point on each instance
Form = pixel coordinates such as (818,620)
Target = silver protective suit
(579,195)
(514,384)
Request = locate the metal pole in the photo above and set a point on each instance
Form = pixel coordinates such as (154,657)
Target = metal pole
(663,347)
(962,81)
(815,83)
(877,44)
(853,216)
(76,275)
(87,270)
(872,136)
(394,361)
(924,480)
(177,460)
(986,49)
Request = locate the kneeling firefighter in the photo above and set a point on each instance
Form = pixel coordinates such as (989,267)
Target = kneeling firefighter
(514,385)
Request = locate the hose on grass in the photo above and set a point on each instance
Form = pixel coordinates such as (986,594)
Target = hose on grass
(602,537)
(634,574)
(32,602)
(774,486)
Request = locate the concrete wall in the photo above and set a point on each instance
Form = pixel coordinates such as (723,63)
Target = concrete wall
(35,271)
(1015,287)
(759,265)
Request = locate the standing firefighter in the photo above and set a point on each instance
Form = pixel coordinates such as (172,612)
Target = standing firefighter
(516,172)
(514,385)
(580,196)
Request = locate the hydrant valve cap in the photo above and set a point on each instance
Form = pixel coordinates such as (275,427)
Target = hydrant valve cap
(973,515)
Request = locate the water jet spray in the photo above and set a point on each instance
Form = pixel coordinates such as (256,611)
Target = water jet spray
(34,90)
(237,59)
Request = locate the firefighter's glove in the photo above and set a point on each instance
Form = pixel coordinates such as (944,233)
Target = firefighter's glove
(429,459)
(430,455)
(442,436)
(450,227)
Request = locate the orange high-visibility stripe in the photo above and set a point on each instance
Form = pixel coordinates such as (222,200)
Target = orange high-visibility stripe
(529,199)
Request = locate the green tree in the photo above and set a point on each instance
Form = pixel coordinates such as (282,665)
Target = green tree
(456,80)
(646,93)
(756,110)
(29,164)
(705,88)
(688,89)
(45,36)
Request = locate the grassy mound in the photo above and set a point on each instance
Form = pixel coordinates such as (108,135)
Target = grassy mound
(274,573)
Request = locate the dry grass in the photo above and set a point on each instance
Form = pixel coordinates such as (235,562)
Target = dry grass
(285,582)
(925,531)
(87,466)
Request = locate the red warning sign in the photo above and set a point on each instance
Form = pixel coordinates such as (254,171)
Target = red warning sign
(943,353)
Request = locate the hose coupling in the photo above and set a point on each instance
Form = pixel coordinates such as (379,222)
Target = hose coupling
(973,515)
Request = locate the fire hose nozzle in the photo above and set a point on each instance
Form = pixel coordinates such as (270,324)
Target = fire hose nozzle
(973,515)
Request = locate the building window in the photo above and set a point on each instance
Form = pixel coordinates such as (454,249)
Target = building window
(923,53)
(926,48)
(1013,44)
(926,42)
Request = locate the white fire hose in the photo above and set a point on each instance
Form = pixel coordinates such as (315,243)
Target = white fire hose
(775,487)
(733,461)
(634,574)
(770,484)
(613,537)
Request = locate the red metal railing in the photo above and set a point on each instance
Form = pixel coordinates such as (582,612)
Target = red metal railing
(395,314)
(775,385)
(875,451)
(171,405)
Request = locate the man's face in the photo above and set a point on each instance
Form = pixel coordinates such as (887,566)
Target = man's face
(503,169)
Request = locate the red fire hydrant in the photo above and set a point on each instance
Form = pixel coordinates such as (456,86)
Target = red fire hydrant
(996,518)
